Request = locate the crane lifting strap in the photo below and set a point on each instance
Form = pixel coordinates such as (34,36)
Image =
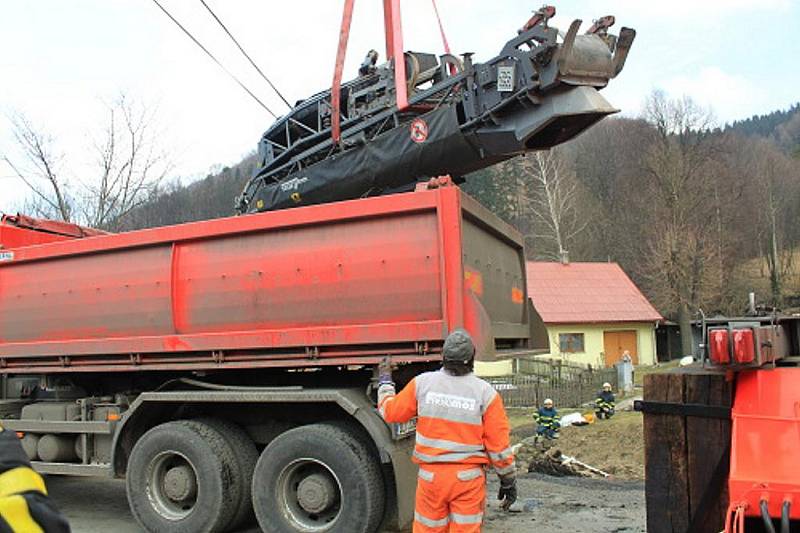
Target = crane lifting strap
(441,28)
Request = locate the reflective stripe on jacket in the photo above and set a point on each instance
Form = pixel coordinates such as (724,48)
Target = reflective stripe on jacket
(605,400)
(461,419)
(548,418)
(24,505)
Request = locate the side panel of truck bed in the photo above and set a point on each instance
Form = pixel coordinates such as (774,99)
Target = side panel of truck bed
(329,284)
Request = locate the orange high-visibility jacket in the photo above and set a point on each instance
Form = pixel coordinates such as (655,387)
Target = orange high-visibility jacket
(461,419)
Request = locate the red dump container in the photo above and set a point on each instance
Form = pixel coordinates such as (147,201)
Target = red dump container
(338,283)
(765,444)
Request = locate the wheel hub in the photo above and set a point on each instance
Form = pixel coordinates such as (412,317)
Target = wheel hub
(180,483)
(316,493)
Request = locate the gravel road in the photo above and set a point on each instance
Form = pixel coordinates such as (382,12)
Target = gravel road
(547,505)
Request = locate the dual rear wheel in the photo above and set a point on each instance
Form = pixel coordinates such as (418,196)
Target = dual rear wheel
(205,475)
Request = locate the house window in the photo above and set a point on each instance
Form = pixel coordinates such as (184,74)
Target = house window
(570,342)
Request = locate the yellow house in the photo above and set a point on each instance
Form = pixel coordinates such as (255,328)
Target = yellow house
(593,312)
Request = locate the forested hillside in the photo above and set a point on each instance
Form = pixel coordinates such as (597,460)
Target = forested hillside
(782,126)
(679,203)
(211,197)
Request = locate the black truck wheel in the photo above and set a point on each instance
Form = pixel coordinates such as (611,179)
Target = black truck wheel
(318,478)
(181,478)
(246,456)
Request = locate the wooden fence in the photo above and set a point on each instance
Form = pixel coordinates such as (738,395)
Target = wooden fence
(568,385)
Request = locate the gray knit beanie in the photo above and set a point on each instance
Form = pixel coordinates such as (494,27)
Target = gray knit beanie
(458,347)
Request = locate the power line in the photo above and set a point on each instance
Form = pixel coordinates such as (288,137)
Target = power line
(209,54)
(245,54)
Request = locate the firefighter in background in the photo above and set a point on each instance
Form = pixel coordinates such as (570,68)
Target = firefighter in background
(604,404)
(461,428)
(547,420)
(24,505)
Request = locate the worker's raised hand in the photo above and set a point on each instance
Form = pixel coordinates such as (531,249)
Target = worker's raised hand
(385,370)
(508,491)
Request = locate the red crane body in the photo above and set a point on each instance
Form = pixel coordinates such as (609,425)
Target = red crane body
(764,474)
(765,443)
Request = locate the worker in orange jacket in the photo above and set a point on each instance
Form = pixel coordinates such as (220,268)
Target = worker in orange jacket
(461,428)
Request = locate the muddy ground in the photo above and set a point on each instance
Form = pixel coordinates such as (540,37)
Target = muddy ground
(553,505)
(547,505)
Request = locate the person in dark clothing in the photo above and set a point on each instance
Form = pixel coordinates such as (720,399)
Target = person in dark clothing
(547,420)
(24,505)
(604,404)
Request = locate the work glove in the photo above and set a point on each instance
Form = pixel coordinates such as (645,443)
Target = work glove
(508,491)
(385,371)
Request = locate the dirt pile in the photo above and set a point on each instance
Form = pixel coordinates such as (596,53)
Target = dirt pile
(614,446)
(544,457)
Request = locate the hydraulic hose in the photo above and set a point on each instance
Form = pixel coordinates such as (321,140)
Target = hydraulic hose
(785,524)
(766,518)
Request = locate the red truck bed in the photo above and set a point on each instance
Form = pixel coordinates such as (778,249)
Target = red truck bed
(333,284)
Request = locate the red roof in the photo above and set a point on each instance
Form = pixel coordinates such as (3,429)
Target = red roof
(586,292)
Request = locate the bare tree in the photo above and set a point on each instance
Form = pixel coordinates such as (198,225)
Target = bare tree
(681,205)
(681,267)
(40,172)
(131,165)
(677,161)
(128,160)
(774,175)
(608,165)
(680,179)
(548,194)
(788,134)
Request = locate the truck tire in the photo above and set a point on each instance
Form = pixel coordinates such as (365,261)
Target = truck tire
(318,478)
(246,456)
(181,478)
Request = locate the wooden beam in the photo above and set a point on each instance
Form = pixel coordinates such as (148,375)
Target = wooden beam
(686,457)
(708,452)
(666,488)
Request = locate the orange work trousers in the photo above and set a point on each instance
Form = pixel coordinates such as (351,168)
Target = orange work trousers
(450,498)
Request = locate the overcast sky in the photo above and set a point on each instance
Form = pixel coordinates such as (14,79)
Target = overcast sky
(59,61)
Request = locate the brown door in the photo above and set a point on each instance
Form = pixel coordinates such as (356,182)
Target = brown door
(616,342)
